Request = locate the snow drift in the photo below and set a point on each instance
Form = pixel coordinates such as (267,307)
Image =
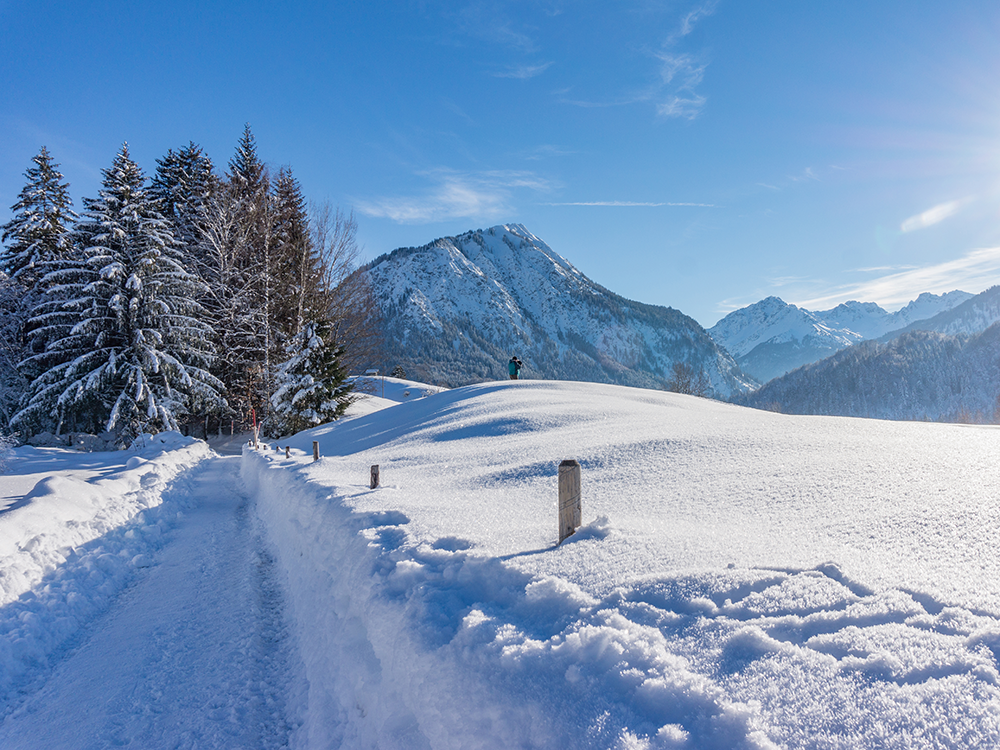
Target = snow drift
(75,529)
(742,580)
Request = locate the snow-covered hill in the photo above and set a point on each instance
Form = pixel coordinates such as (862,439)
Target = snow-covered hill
(733,587)
(772,337)
(456,309)
(743,580)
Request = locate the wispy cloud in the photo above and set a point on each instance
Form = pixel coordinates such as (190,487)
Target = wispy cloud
(973,272)
(780,281)
(932,216)
(454,108)
(628,203)
(454,195)
(632,99)
(546,151)
(688,22)
(674,95)
(487,20)
(677,106)
(804,175)
(523,72)
(882,269)
(682,72)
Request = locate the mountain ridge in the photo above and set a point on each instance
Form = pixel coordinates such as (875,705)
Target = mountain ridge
(457,308)
(772,337)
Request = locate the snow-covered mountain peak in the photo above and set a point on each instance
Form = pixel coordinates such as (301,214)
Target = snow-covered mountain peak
(772,337)
(458,307)
(771,320)
(928,305)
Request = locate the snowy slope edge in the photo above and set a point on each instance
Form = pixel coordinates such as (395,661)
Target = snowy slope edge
(416,646)
(71,545)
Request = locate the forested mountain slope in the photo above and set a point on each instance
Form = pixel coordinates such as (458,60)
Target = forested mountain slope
(918,375)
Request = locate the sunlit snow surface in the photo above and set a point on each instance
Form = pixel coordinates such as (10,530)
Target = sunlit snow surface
(743,579)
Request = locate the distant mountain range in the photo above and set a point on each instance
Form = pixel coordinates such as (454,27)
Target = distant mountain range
(943,368)
(772,337)
(455,310)
(917,375)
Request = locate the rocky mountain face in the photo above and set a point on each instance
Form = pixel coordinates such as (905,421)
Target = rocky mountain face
(772,337)
(455,311)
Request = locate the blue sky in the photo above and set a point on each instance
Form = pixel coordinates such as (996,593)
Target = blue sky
(696,155)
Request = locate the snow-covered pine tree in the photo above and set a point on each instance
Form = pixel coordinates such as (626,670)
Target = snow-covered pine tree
(297,268)
(186,188)
(37,240)
(13,385)
(240,232)
(184,184)
(38,233)
(127,351)
(312,387)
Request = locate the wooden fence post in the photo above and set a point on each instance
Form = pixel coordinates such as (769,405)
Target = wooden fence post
(569,498)
(287,451)
(374,476)
(315,450)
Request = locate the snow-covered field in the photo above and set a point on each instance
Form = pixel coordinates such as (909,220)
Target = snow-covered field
(743,579)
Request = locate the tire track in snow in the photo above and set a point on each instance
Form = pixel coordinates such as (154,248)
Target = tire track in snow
(193,654)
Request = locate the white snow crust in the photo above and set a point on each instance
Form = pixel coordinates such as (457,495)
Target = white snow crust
(742,579)
(73,529)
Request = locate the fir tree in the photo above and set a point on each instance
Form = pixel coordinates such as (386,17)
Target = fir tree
(297,268)
(38,234)
(38,241)
(13,384)
(312,386)
(245,246)
(183,185)
(126,349)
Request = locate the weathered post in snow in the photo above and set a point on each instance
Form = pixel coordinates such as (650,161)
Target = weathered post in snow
(288,451)
(374,476)
(569,498)
(315,450)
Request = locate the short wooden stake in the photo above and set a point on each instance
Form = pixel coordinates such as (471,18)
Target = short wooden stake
(315,450)
(288,451)
(570,510)
(374,476)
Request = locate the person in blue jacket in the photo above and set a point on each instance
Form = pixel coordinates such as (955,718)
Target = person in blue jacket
(514,367)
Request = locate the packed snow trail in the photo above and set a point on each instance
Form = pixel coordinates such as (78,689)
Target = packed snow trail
(192,654)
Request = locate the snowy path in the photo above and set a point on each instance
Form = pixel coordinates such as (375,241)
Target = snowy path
(192,654)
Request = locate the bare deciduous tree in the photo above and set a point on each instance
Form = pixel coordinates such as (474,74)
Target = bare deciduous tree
(348,301)
(685,379)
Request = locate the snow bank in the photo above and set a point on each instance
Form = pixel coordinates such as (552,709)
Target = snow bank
(428,646)
(73,540)
(743,579)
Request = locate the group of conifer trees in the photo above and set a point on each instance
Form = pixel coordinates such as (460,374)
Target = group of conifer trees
(191,300)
